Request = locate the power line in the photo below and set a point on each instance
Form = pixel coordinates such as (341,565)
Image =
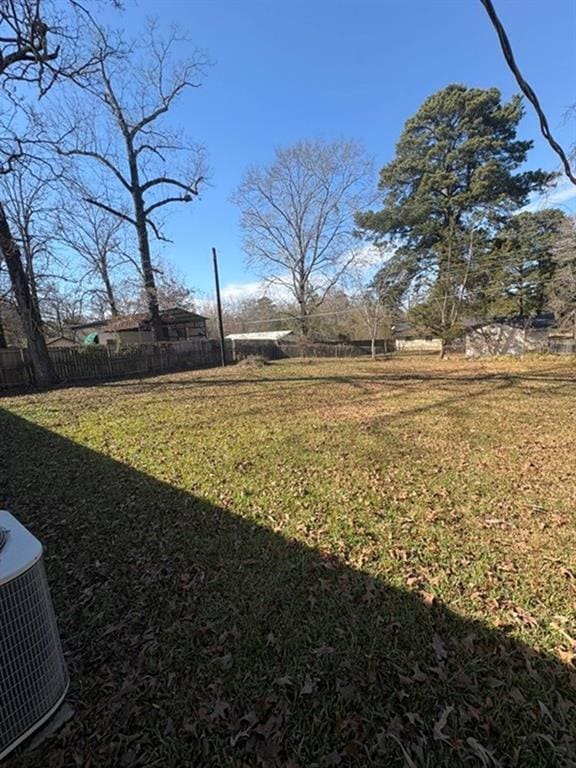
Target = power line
(287,318)
(525,87)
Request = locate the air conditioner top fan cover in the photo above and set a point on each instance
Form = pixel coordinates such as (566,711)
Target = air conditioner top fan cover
(33,674)
(19,549)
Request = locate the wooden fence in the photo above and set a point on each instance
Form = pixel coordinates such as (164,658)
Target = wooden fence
(284,349)
(78,364)
(99,362)
(562,346)
(72,365)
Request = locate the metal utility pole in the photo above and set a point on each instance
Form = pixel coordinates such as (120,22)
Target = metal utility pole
(219,306)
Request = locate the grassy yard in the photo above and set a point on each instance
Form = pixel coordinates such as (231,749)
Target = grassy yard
(332,563)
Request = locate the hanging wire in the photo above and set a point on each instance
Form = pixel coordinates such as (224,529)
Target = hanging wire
(526,88)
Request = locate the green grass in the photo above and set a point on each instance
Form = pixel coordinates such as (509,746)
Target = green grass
(309,563)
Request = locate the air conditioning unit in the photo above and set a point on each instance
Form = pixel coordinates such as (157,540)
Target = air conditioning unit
(33,674)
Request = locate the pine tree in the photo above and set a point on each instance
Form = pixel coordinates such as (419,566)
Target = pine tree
(454,178)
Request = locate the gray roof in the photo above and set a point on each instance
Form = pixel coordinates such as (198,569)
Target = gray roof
(537,322)
(259,336)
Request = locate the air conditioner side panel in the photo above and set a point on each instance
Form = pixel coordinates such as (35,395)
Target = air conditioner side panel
(33,674)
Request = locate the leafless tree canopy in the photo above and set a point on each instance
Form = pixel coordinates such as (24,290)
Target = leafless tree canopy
(298,216)
(366,299)
(98,239)
(123,132)
(43,40)
(25,45)
(30,207)
(40,42)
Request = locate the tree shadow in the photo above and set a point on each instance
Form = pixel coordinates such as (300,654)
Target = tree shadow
(457,388)
(159,381)
(392,378)
(195,637)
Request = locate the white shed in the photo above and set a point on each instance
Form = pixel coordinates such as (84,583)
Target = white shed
(259,336)
(509,336)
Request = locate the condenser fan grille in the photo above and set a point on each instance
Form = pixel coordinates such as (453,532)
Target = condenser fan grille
(32,670)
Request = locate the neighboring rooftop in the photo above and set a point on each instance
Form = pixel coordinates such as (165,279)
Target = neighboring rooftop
(402,329)
(89,324)
(259,336)
(538,322)
(133,322)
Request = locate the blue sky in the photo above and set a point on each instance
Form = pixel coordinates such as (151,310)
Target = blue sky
(285,71)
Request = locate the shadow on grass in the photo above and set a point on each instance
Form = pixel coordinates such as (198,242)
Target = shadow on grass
(158,381)
(459,388)
(398,378)
(196,638)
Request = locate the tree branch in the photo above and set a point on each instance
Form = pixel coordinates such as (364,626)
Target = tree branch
(192,189)
(111,210)
(527,90)
(167,101)
(158,235)
(165,201)
(100,158)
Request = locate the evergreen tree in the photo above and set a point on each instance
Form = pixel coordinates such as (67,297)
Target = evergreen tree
(515,273)
(561,290)
(454,179)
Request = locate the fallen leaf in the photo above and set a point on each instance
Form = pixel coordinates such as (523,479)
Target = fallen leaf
(440,724)
(439,647)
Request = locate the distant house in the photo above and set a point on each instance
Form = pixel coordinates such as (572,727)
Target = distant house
(510,336)
(259,336)
(177,325)
(407,338)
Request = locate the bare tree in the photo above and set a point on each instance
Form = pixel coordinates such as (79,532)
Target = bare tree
(39,43)
(25,53)
(97,237)
(365,295)
(298,217)
(62,306)
(42,41)
(126,136)
(172,290)
(31,209)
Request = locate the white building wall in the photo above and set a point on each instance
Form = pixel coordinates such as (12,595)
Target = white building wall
(501,339)
(418,345)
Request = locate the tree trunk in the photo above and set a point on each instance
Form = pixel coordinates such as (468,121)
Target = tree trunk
(3,343)
(301,298)
(373,347)
(110,297)
(27,252)
(27,308)
(144,247)
(303,320)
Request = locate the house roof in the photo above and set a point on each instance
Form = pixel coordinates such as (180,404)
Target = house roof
(179,315)
(134,322)
(405,330)
(91,324)
(538,322)
(126,322)
(259,336)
